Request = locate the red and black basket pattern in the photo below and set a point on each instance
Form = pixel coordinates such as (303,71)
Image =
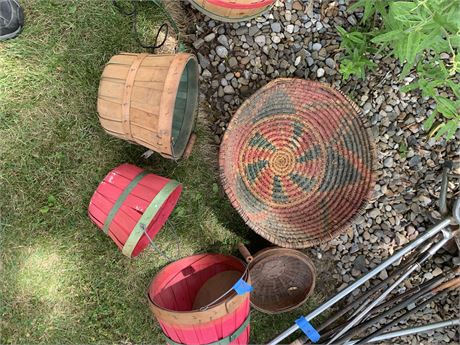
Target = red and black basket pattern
(297,162)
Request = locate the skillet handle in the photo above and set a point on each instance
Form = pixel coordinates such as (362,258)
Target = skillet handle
(245,253)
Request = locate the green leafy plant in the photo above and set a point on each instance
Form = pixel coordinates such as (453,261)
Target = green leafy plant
(51,202)
(355,62)
(422,35)
(403,150)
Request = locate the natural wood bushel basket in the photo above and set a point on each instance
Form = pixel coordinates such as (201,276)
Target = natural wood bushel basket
(150,100)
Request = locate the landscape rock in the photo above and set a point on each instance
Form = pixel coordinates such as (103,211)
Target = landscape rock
(296,39)
(222,51)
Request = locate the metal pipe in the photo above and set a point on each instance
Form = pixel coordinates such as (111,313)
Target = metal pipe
(373,304)
(431,283)
(361,298)
(395,257)
(443,193)
(415,297)
(426,291)
(360,316)
(456,211)
(343,310)
(412,258)
(403,316)
(410,331)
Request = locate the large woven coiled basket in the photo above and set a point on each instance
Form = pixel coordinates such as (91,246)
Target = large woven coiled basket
(296,162)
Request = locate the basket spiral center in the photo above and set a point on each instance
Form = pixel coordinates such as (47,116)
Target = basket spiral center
(282,160)
(282,163)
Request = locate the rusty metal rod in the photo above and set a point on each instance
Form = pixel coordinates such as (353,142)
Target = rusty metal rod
(357,329)
(410,260)
(447,235)
(392,259)
(427,292)
(444,184)
(436,280)
(437,295)
(410,331)
(361,298)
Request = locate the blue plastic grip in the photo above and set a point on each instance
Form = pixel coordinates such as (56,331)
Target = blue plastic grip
(241,287)
(308,329)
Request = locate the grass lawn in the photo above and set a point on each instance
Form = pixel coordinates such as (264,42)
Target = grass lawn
(63,280)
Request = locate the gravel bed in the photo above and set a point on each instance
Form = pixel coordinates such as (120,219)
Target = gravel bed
(298,39)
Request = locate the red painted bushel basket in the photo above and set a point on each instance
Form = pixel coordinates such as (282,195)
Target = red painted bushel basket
(174,292)
(130,200)
(232,10)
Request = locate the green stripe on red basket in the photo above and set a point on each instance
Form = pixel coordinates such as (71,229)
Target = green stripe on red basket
(121,199)
(149,214)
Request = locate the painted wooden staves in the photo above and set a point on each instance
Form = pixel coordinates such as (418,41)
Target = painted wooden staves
(150,100)
(297,162)
(173,298)
(232,10)
(130,201)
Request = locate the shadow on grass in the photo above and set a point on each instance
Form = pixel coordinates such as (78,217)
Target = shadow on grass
(63,280)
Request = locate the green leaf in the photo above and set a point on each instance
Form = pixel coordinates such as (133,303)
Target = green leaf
(410,87)
(456,65)
(342,31)
(452,125)
(215,188)
(380,7)
(442,20)
(356,5)
(448,129)
(429,89)
(403,11)
(406,70)
(402,7)
(356,66)
(455,87)
(369,10)
(403,150)
(455,41)
(431,41)
(356,37)
(72,9)
(446,106)
(387,37)
(412,47)
(429,121)
(443,72)
(346,69)
(51,199)
(44,209)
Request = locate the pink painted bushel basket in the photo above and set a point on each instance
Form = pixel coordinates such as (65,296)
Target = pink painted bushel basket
(232,10)
(129,202)
(174,292)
